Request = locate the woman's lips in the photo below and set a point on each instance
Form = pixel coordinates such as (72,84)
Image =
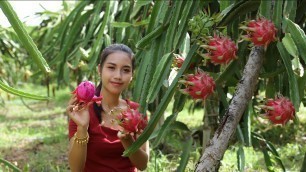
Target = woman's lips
(116,83)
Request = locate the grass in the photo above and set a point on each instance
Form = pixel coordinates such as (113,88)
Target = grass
(35,141)
(38,140)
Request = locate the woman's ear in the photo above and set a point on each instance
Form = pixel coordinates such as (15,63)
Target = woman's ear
(99,69)
(131,79)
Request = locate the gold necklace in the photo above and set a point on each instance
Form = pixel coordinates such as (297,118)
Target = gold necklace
(112,111)
(110,121)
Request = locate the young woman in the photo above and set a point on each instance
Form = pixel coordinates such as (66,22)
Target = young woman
(96,143)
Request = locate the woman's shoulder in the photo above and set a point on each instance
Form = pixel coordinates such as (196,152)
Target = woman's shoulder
(131,104)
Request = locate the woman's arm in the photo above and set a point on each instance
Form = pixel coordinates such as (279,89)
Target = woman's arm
(78,143)
(78,151)
(141,156)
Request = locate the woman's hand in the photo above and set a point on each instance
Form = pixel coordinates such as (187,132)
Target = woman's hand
(125,138)
(78,113)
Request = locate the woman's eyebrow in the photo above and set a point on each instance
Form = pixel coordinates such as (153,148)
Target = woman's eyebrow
(114,64)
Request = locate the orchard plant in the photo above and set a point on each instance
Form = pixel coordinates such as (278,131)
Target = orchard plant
(243,60)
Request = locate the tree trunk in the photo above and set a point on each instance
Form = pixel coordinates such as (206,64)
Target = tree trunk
(217,146)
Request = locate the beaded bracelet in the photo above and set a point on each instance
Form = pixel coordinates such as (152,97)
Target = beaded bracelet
(81,141)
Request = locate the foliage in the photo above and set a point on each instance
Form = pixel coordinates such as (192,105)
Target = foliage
(71,40)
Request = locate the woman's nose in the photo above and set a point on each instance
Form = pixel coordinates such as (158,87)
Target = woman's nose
(118,74)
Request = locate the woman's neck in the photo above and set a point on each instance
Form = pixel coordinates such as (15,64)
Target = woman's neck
(111,100)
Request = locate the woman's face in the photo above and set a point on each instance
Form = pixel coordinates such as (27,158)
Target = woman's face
(116,72)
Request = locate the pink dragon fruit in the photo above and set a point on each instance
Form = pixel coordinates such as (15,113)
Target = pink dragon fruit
(179,60)
(132,121)
(198,85)
(260,32)
(221,50)
(143,123)
(279,110)
(85,92)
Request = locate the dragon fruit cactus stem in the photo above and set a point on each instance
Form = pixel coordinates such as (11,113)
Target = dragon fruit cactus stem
(279,110)
(198,86)
(221,50)
(260,32)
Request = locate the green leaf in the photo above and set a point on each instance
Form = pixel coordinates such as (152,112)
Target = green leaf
(272,149)
(265,8)
(303,168)
(16,92)
(151,36)
(141,23)
(157,77)
(294,91)
(173,27)
(290,45)
(121,24)
(239,9)
(178,125)
(97,45)
(23,36)
(290,9)
(298,36)
(241,158)
(268,161)
(240,134)
(163,130)
(185,155)
(277,15)
(9,165)
(161,107)
(246,125)
(179,102)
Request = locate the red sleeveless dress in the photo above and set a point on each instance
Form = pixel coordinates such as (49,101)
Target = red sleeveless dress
(104,149)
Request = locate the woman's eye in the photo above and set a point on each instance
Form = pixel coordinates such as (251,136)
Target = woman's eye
(111,67)
(126,70)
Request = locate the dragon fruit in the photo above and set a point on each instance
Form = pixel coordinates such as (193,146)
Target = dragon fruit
(279,110)
(198,86)
(85,93)
(221,50)
(260,32)
(179,60)
(132,121)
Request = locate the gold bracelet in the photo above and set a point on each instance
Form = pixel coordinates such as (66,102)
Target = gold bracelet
(81,141)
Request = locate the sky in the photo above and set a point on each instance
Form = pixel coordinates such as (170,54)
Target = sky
(26,10)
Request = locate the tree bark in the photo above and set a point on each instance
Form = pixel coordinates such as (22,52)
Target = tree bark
(217,146)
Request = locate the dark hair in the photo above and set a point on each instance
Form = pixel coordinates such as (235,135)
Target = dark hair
(105,53)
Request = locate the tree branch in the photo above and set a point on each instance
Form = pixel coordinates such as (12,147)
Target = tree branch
(218,144)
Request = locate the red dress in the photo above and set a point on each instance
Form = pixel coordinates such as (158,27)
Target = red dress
(104,149)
